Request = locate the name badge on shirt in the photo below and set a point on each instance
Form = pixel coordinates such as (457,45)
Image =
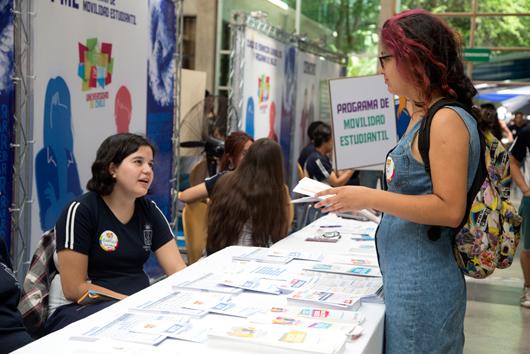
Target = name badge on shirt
(389,172)
(108,241)
(148,237)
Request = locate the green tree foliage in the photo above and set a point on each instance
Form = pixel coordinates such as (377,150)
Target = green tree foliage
(355,22)
(497,31)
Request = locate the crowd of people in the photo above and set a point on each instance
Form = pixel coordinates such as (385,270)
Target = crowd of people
(105,236)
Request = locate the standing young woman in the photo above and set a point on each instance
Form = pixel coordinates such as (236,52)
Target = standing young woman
(424,290)
(236,147)
(105,236)
(250,206)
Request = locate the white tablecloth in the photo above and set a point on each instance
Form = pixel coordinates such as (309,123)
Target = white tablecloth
(63,342)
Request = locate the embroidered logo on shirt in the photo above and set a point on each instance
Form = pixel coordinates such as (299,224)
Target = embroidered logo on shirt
(148,237)
(389,172)
(108,241)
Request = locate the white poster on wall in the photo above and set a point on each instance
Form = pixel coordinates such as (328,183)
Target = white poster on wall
(262,90)
(363,119)
(90,63)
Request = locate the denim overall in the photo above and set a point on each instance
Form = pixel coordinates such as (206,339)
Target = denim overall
(424,290)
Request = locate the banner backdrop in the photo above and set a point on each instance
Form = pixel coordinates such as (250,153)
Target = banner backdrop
(262,91)
(307,99)
(90,60)
(160,104)
(7,109)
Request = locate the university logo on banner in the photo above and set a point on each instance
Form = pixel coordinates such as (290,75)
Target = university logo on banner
(95,70)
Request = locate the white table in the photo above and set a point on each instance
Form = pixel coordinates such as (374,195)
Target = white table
(62,341)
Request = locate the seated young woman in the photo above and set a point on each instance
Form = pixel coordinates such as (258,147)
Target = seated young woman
(250,206)
(104,237)
(236,147)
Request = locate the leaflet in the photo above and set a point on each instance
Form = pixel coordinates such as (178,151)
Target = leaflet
(305,256)
(261,285)
(357,259)
(317,313)
(329,298)
(283,320)
(177,302)
(345,269)
(234,309)
(340,283)
(263,255)
(120,329)
(208,282)
(179,328)
(292,338)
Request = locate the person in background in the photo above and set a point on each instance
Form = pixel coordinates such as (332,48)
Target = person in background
(104,237)
(13,334)
(421,60)
(236,147)
(493,124)
(310,147)
(318,165)
(250,206)
(518,123)
(518,155)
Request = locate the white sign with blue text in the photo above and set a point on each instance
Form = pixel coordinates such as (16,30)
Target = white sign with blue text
(363,119)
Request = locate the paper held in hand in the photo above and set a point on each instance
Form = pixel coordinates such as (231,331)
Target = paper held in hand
(310,187)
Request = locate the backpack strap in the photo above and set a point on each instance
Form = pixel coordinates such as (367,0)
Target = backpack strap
(424,138)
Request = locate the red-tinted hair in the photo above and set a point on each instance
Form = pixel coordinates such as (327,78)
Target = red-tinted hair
(428,54)
(234,144)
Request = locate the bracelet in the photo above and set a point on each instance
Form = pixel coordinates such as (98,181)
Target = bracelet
(525,191)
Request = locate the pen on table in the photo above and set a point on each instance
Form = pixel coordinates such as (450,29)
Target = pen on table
(329,226)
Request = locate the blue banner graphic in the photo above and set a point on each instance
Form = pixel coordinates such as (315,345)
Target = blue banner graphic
(7,107)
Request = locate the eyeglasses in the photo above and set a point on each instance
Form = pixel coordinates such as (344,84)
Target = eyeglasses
(330,234)
(383,58)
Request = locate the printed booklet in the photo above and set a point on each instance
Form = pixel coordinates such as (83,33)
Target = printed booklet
(294,338)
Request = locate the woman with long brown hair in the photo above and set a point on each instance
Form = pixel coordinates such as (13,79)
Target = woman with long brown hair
(250,206)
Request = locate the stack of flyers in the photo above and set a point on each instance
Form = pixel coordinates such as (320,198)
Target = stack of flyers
(340,283)
(120,329)
(328,298)
(191,303)
(256,284)
(234,309)
(173,328)
(305,256)
(295,283)
(352,259)
(207,282)
(317,318)
(345,269)
(263,255)
(285,337)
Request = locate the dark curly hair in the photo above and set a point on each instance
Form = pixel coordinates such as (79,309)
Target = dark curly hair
(428,53)
(113,149)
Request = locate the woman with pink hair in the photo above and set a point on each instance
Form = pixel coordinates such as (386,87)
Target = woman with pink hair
(424,289)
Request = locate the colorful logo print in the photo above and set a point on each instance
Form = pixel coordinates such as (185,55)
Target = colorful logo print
(264,87)
(95,64)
